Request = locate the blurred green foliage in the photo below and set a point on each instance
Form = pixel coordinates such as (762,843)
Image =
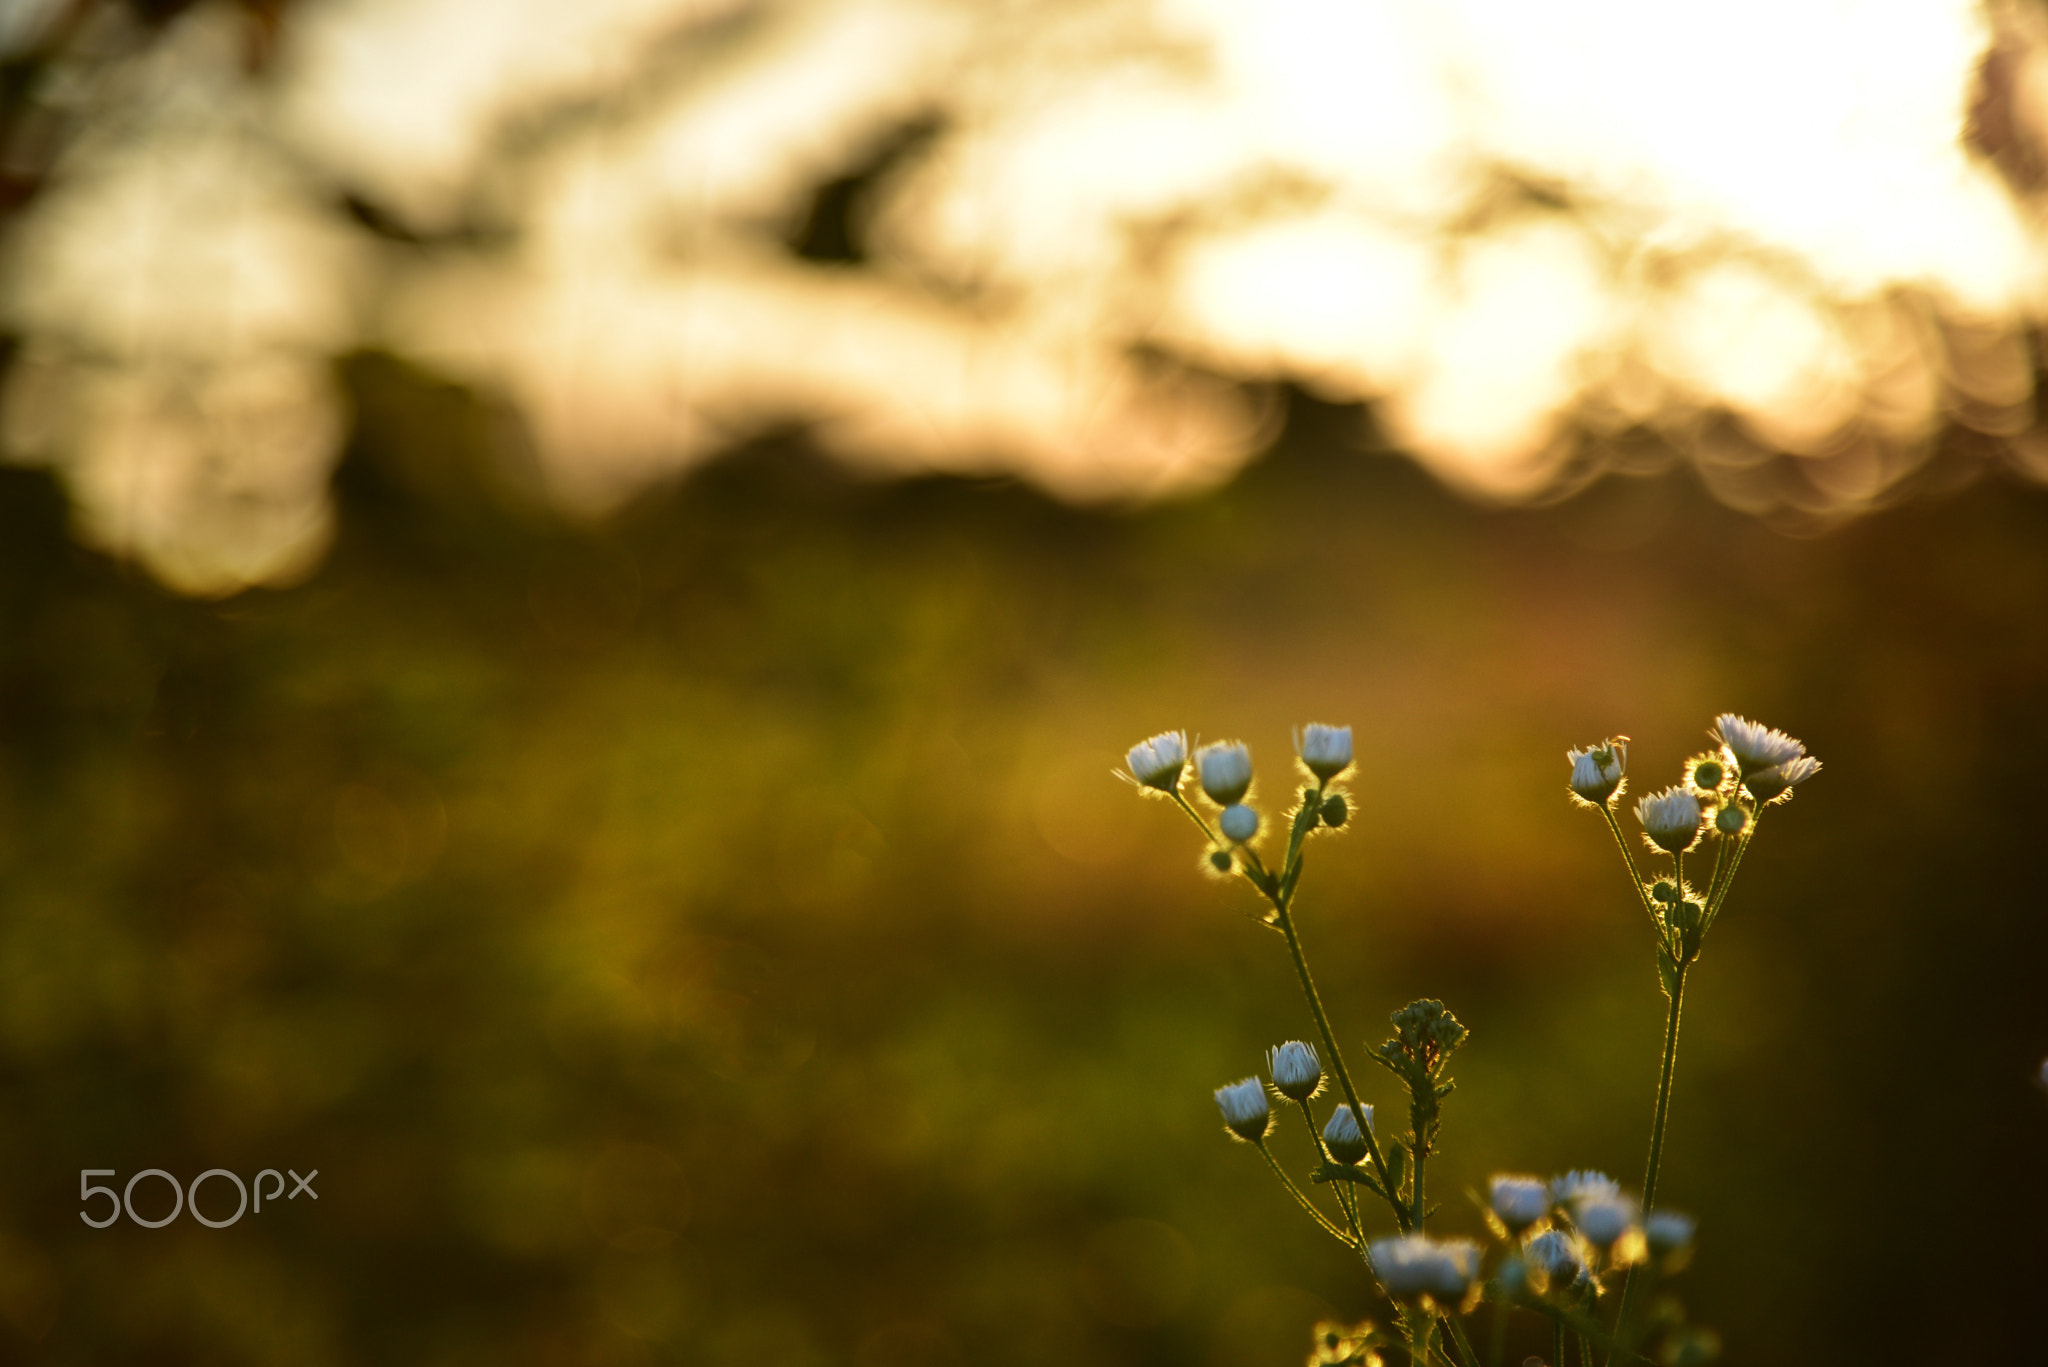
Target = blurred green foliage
(717,936)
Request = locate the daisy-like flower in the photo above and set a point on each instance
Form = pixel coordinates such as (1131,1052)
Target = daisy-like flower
(1705,774)
(1604,1219)
(1671,819)
(1755,746)
(1245,1112)
(1238,823)
(1597,770)
(1297,1073)
(1582,1184)
(1159,762)
(1518,1201)
(1775,785)
(1667,1231)
(1343,1138)
(1226,771)
(1414,1267)
(1554,1260)
(1325,750)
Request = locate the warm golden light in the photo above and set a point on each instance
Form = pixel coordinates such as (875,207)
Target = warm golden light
(1518,230)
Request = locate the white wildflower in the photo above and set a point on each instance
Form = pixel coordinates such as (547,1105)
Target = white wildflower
(1414,1266)
(1554,1261)
(1226,770)
(1342,1136)
(1671,819)
(1756,747)
(1325,750)
(1518,1201)
(1244,1109)
(1772,785)
(1297,1073)
(1582,1184)
(1238,823)
(1597,770)
(1159,762)
(1667,1231)
(1604,1219)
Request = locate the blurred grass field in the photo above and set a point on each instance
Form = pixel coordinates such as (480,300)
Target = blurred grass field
(718,936)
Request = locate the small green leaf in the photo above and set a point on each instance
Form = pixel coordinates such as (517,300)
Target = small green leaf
(1397,1164)
(1446,1087)
(1667,972)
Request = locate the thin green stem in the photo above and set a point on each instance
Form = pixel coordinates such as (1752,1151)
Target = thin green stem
(1283,911)
(1635,879)
(1756,819)
(1557,1342)
(1306,1204)
(1714,878)
(1498,1348)
(1663,1113)
(1346,1198)
(1193,815)
(1417,1153)
(1460,1341)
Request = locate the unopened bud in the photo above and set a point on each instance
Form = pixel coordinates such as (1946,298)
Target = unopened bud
(1730,820)
(1226,771)
(1219,860)
(1245,1111)
(1671,819)
(1325,750)
(1238,823)
(1342,1136)
(1297,1073)
(1518,1201)
(1597,770)
(1335,811)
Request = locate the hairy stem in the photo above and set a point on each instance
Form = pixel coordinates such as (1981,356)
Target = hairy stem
(1657,1129)
(1282,908)
(1328,1226)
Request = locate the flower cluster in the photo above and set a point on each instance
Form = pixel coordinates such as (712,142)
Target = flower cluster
(1563,1247)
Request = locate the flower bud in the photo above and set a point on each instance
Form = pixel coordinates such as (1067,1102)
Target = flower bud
(1597,770)
(1158,762)
(1667,1231)
(1555,1262)
(1688,916)
(1343,1138)
(1245,1112)
(1671,819)
(1771,784)
(1335,811)
(1415,1268)
(1604,1219)
(1730,820)
(1756,747)
(1238,823)
(1219,860)
(1226,771)
(1297,1073)
(1518,1201)
(1582,1184)
(1325,750)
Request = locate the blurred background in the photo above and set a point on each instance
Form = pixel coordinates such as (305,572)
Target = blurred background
(575,578)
